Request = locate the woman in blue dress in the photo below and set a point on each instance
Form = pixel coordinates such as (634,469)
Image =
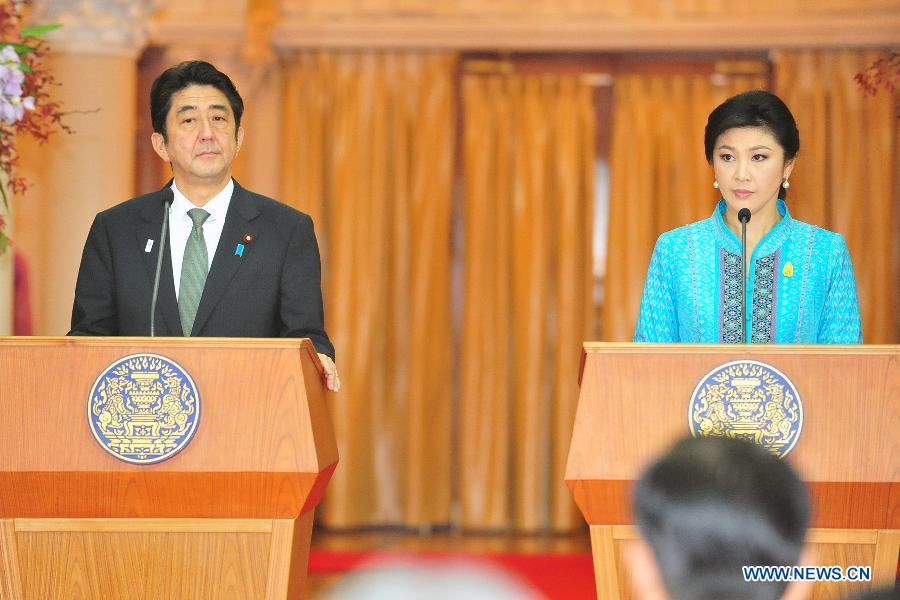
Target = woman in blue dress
(800,286)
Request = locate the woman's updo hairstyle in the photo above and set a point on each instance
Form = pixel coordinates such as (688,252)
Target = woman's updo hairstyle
(756,108)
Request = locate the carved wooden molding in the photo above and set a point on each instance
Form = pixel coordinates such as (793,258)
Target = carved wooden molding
(106,27)
(196,31)
(527,25)
(700,34)
(572,9)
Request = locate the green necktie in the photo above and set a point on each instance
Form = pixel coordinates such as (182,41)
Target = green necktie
(194,268)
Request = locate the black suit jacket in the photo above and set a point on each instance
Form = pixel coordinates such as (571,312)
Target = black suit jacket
(272,290)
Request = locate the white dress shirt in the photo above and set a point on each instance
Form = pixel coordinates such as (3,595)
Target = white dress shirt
(180,225)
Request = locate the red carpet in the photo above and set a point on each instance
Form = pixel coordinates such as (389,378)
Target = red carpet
(556,576)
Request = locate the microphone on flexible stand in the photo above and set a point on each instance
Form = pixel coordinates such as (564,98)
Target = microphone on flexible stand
(744,218)
(162,246)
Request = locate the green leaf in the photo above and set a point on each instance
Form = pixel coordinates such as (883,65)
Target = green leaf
(20,48)
(24,67)
(39,30)
(4,243)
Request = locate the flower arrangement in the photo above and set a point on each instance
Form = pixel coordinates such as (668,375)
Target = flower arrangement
(884,72)
(25,105)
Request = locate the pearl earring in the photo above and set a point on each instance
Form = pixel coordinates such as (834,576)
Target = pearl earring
(786,184)
(715,184)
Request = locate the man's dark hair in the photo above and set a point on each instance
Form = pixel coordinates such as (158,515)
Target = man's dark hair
(192,72)
(712,505)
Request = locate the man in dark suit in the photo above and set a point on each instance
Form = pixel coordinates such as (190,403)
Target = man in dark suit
(234,263)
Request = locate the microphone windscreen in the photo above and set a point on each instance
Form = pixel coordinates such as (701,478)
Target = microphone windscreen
(744,215)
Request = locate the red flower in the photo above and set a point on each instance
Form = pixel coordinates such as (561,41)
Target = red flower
(884,72)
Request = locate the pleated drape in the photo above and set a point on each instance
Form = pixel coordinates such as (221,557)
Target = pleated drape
(369,154)
(528,163)
(458,320)
(844,179)
(659,177)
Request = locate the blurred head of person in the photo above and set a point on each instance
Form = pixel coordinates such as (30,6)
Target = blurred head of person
(709,507)
(420,579)
(884,593)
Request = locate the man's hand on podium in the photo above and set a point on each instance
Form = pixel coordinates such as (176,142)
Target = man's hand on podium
(332,381)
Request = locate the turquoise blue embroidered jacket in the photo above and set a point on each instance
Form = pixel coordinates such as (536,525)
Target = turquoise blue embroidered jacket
(801,286)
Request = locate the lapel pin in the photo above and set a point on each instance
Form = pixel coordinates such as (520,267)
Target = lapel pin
(248,238)
(788,270)
(239,251)
(149,246)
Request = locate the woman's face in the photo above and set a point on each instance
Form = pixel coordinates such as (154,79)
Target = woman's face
(749,165)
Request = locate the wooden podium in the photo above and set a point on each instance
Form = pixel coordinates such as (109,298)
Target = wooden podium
(634,404)
(229,516)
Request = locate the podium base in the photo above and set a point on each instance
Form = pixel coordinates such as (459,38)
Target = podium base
(878,549)
(154,558)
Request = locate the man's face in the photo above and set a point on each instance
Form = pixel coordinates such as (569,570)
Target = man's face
(202,141)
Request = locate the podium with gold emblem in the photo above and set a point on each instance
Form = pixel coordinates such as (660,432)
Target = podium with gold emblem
(832,412)
(160,468)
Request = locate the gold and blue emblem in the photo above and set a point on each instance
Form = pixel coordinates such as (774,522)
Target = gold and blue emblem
(144,408)
(749,400)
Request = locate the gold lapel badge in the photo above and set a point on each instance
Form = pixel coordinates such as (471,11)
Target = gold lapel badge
(788,270)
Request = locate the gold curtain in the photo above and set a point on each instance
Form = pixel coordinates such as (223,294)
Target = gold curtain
(659,177)
(844,179)
(528,160)
(370,155)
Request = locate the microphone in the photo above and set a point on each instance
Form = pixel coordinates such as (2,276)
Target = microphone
(162,246)
(744,218)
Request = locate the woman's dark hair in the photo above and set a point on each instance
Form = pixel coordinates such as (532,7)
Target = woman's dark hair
(757,108)
(182,75)
(713,505)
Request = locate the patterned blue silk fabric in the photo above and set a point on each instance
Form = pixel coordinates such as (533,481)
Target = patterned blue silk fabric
(801,288)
